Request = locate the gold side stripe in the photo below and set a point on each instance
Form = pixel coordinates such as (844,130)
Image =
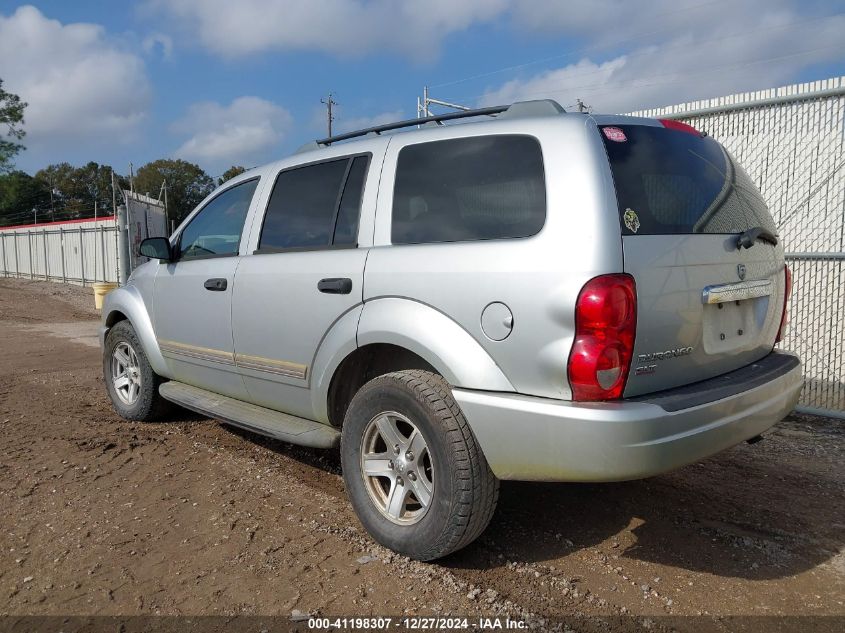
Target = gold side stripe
(281,367)
(195,351)
(257,363)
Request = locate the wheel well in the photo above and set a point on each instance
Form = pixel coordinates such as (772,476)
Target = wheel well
(361,366)
(114,318)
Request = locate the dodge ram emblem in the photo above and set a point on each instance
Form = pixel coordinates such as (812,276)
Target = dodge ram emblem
(740,271)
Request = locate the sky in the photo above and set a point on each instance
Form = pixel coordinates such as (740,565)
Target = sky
(222,83)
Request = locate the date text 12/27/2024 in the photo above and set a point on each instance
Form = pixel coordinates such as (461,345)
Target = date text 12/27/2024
(416,623)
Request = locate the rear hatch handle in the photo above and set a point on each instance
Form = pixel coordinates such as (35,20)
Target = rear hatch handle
(747,238)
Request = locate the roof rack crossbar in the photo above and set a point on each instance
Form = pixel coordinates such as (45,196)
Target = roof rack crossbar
(378,129)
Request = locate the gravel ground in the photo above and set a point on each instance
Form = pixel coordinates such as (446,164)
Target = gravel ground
(188,517)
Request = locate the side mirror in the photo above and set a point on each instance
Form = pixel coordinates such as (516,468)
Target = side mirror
(156,248)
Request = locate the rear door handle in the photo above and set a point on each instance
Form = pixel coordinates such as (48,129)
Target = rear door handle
(217,284)
(335,286)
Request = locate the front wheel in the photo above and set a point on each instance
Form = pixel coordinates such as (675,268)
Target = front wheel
(414,472)
(130,380)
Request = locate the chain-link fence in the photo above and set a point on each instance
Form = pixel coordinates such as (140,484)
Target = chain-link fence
(791,141)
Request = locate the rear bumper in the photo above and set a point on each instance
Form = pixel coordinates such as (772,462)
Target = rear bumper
(529,438)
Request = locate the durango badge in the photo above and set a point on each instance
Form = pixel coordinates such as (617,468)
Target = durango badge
(632,222)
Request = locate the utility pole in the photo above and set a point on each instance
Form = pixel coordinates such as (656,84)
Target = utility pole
(52,204)
(113,195)
(168,223)
(423,109)
(329,116)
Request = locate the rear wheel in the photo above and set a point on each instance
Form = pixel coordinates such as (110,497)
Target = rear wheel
(413,470)
(130,380)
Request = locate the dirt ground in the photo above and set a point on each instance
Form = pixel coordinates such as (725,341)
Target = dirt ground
(106,517)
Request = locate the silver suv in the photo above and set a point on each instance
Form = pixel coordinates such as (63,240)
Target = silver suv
(535,295)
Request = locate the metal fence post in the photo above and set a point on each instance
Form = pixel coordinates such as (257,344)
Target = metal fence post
(122,244)
(3,249)
(116,253)
(103,249)
(62,251)
(82,255)
(17,262)
(29,248)
(46,256)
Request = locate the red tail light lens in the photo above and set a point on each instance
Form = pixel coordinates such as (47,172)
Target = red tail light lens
(605,325)
(671,124)
(787,292)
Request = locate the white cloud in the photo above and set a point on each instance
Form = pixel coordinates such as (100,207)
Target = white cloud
(690,53)
(341,27)
(79,84)
(243,133)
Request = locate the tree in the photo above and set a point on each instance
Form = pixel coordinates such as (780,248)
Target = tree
(187,184)
(20,193)
(77,189)
(11,113)
(234,170)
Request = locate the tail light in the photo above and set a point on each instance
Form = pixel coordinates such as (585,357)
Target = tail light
(787,291)
(605,325)
(671,124)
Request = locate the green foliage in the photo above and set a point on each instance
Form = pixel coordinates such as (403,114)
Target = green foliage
(234,170)
(11,114)
(77,189)
(20,193)
(57,192)
(187,184)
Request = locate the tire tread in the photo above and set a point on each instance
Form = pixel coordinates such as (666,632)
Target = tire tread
(479,488)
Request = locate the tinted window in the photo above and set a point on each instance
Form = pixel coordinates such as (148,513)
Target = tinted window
(216,229)
(306,201)
(346,229)
(478,188)
(671,181)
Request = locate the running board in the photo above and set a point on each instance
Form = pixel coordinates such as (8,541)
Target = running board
(251,417)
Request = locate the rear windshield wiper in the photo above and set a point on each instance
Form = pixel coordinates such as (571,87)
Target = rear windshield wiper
(747,238)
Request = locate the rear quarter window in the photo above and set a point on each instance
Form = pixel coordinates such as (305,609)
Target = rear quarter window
(675,182)
(476,188)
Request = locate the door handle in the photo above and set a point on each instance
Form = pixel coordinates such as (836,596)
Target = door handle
(217,284)
(335,286)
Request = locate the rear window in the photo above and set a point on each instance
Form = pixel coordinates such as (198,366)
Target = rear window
(476,188)
(315,206)
(674,182)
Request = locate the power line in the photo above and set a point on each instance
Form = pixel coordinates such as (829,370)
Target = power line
(637,82)
(580,50)
(671,78)
(572,52)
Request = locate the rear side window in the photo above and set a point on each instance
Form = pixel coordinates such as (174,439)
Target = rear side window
(674,182)
(477,188)
(346,228)
(315,206)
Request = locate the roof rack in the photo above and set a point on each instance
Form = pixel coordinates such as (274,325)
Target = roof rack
(437,118)
(540,107)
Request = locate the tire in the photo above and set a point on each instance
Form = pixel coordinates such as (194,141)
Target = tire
(140,399)
(409,407)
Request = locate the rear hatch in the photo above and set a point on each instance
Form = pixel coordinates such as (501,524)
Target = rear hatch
(704,306)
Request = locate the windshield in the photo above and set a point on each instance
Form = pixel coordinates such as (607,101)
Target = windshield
(674,182)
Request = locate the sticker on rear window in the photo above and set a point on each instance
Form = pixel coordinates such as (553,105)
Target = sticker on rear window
(632,222)
(614,134)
